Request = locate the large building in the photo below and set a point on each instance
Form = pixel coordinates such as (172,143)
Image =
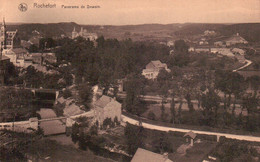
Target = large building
(84,33)
(107,107)
(9,39)
(235,39)
(152,69)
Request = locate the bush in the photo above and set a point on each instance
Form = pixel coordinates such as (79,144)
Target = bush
(67,93)
(116,121)
(151,115)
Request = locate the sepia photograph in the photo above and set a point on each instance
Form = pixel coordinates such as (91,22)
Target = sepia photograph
(130,80)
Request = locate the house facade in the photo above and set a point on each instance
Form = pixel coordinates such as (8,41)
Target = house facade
(152,69)
(107,107)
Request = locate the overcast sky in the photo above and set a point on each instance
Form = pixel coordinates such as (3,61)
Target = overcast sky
(122,12)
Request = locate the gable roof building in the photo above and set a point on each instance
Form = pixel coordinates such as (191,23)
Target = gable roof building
(152,69)
(107,107)
(235,39)
(143,155)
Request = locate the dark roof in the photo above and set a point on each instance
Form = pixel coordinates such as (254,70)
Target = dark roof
(190,134)
(19,50)
(143,155)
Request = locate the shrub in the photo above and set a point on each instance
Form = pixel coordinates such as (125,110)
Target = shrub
(151,115)
(67,93)
(116,121)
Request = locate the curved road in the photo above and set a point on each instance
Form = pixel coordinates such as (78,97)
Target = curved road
(248,62)
(166,129)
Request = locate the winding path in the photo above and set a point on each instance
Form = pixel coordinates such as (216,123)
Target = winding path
(248,62)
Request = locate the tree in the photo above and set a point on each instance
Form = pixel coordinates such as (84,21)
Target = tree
(134,89)
(210,106)
(16,102)
(253,82)
(172,109)
(32,77)
(151,115)
(251,103)
(86,94)
(180,46)
(33,48)
(134,138)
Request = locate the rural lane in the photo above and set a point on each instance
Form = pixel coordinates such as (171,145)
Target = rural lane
(166,129)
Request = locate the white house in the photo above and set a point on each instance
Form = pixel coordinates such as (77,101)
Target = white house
(152,69)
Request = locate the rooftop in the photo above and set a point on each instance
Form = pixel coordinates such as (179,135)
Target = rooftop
(4,58)
(143,155)
(103,101)
(190,134)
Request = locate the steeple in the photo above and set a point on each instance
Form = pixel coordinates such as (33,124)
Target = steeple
(3,34)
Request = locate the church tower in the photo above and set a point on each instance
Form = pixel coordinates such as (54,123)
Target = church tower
(3,35)
(74,33)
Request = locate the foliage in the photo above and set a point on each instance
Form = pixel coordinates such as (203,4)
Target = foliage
(151,115)
(134,90)
(85,93)
(108,123)
(210,104)
(16,102)
(67,93)
(231,150)
(134,136)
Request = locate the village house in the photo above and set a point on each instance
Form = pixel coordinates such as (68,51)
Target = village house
(84,33)
(223,51)
(18,56)
(170,43)
(209,33)
(190,136)
(235,39)
(42,58)
(238,51)
(143,155)
(219,44)
(152,69)
(107,107)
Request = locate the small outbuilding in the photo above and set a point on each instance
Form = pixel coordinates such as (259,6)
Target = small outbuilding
(190,136)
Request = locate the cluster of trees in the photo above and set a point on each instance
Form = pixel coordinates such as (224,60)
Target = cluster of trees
(232,150)
(217,95)
(109,60)
(16,104)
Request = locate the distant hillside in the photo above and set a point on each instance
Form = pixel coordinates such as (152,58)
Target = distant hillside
(48,30)
(158,32)
(250,31)
(195,29)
